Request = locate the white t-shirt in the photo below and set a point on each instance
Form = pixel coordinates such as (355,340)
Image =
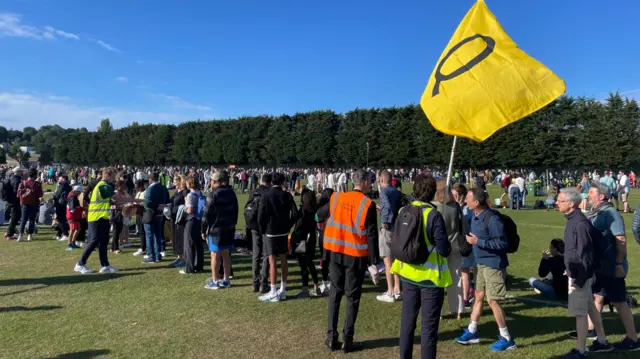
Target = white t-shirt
(343,178)
(520,182)
(624,183)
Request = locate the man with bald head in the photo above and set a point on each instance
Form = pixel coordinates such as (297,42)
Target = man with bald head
(390,200)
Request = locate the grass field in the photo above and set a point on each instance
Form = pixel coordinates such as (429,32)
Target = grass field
(150,311)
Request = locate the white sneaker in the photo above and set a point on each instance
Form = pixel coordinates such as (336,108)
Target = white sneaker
(79,244)
(29,238)
(56,238)
(82,269)
(385,297)
(270,298)
(20,239)
(108,269)
(139,252)
(63,238)
(282,294)
(163,254)
(146,256)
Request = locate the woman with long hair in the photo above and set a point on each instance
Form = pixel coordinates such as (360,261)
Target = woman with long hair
(177,229)
(117,219)
(467,263)
(305,230)
(452,214)
(584,191)
(321,218)
(193,246)
(140,189)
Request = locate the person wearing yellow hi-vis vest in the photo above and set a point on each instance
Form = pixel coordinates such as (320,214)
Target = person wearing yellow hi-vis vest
(102,196)
(424,284)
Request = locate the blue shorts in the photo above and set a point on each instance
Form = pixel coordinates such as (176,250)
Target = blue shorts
(213,247)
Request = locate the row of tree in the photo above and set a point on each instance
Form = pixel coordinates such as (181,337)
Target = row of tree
(568,133)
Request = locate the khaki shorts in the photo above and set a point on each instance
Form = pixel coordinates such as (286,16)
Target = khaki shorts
(384,242)
(581,299)
(492,282)
(625,197)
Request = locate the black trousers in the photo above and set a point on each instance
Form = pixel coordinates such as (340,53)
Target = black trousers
(193,247)
(82,234)
(115,235)
(345,281)
(16,213)
(414,299)
(177,237)
(141,234)
(98,234)
(259,262)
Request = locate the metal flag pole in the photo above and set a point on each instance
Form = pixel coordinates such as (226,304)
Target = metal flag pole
(453,151)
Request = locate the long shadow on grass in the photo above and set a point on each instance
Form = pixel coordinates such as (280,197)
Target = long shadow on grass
(85,354)
(29,309)
(70,279)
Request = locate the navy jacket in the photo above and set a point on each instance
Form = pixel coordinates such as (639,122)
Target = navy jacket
(390,200)
(491,249)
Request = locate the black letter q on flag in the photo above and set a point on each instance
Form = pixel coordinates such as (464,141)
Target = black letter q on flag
(491,44)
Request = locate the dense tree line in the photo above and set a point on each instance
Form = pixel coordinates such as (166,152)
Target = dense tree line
(569,133)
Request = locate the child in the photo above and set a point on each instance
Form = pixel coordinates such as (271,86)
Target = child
(552,262)
(74,216)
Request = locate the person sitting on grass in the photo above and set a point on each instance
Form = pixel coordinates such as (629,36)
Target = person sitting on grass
(552,262)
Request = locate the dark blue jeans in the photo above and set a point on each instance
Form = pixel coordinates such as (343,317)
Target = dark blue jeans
(29,213)
(153,232)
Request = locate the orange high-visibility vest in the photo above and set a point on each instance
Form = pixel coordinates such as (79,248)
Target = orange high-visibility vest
(345,231)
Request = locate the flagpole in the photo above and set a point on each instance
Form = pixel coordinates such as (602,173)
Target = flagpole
(453,151)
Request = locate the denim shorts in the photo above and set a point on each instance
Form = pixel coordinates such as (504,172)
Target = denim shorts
(213,247)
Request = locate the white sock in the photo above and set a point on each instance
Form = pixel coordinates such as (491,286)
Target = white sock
(473,327)
(283,286)
(504,332)
(274,289)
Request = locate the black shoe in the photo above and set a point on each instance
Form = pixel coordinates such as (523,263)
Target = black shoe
(597,347)
(256,287)
(350,346)
(627,345)
(332,345)
(264,289)
(591,335)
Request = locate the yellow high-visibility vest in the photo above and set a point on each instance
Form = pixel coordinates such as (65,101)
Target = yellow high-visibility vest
(98,207)
(435,269)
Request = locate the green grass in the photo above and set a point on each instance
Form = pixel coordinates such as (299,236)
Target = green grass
(48,311)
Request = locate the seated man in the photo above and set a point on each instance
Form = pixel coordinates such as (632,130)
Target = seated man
(552,262)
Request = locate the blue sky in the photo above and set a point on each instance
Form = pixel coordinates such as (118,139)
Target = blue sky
(73,62)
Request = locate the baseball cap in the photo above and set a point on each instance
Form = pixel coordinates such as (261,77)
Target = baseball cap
(77,188)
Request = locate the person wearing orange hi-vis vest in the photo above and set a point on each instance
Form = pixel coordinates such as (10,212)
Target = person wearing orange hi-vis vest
(350,245)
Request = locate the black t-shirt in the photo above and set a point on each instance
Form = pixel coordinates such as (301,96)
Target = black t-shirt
(555,266)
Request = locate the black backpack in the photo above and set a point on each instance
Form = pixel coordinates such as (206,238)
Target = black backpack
(251,212)
(510,229)
(464,247)
(408,244)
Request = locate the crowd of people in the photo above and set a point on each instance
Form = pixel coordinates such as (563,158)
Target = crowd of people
(419,247)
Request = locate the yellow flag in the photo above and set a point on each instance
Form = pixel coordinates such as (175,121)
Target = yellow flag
(484,82)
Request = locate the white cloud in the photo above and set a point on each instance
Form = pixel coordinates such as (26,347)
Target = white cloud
(68,35)
(122,79)
(179,102)
(11,25)
(18,110)
(107,46)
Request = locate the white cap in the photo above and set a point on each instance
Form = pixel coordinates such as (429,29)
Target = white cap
(77,188)
(17,169)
